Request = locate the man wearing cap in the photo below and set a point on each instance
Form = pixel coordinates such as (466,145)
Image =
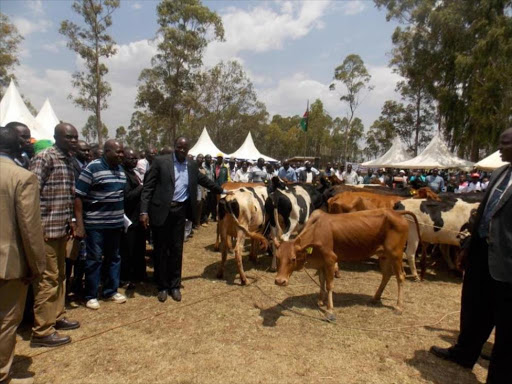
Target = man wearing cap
(474,185)
(487,288)
(435,182)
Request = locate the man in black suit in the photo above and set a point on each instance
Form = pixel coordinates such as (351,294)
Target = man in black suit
(133,240)
(168,198)
(487,288)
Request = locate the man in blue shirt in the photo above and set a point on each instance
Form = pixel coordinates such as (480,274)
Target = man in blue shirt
(169,197)
(435,182)
(99,211)
(287,173)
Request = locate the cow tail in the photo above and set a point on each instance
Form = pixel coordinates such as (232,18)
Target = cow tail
(423,260)
(252,235)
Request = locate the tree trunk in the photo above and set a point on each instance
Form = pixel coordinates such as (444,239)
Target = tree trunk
(418,125)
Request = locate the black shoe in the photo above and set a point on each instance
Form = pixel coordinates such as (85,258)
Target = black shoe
(176,294)
(130,286)
(162,296)
(66,324)
(448,354)
(53,340)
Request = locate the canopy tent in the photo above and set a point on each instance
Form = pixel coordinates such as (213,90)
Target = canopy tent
(13,108)
(248,151)
(491,162)
(396,154)
(435,155)
(47,120)
(205,146)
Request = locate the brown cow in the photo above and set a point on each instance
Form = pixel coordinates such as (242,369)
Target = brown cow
(355,236)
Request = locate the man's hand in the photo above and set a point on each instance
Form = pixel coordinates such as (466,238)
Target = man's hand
(144,220)
(79,232)
(72,230)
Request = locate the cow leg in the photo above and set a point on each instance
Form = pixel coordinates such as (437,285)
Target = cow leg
(323,293)
(224,251)
(273,234)
(445,252)
(329,283)
(337,273)
(216,247)
(400,278)
(240,240)
(253,256)
(387,271)
(410,250)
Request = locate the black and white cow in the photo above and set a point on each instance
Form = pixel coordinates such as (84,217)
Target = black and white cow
(242,215)
(288,208)
(440,223)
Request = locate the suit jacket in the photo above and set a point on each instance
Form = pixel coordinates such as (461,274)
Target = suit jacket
(22,248)
(132,195)
(303,176)
(158,189)
(500,231)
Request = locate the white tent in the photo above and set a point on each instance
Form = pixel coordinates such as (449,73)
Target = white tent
(396,154)
(248,151)
(13,108)
(205,146)
(491,162)
(435,155)
(47,120)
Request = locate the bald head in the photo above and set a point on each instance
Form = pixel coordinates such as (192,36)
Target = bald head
(66,137)
(113,152)
(181,148)
(505,145)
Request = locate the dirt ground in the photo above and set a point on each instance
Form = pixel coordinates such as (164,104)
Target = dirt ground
(222,332)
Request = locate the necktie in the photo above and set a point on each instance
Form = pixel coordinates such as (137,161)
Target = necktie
(483,229)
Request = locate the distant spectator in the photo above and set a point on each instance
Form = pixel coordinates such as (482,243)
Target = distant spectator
(232,169)
(144,163)
(350,176)
(463,184)
(27,148)
(435,182)
(474,185)
(242,175)
(485,183)
(287,173)
(307,175)
(258,172)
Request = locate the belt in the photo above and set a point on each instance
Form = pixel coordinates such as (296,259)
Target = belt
(177,203)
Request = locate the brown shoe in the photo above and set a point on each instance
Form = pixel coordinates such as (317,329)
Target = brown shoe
(66,324)
(53,340)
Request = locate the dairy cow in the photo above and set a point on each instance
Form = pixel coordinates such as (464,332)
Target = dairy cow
(243,215)
(440,223)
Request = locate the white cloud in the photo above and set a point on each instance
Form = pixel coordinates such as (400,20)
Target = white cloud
(353,7)
(26,26)
(54,47)
(262,29)
(290,95)
(136,6)
(36,6)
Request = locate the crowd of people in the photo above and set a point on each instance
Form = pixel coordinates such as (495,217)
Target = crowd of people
(79,218)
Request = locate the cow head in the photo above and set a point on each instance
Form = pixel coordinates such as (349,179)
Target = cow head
(290,257)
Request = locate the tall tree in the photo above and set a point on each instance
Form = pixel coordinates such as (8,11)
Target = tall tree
(186,28)
(92,43)
(354,79)
(9,45)
(224,100)
(121,133)
(90,131)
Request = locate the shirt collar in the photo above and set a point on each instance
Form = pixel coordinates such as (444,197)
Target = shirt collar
(177,162)
(104,163)
(60,153)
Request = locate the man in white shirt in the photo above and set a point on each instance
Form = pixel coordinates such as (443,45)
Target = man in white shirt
(474,185)
(242,175)
(350,176)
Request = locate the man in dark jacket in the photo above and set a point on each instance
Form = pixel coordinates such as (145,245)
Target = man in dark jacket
(133,240)
(168,198)
(487,288)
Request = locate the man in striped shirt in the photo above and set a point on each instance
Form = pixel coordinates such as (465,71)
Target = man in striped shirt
(99,210)
(56,189)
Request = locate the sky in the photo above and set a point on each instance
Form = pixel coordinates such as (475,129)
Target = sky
(289,49)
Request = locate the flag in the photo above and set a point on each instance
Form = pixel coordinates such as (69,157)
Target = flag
(304,120)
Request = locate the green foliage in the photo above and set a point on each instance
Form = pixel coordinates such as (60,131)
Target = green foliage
(9,44)
(121,133)
(90,132)
(92,43)
(459,52)
(186,28)
(354,79)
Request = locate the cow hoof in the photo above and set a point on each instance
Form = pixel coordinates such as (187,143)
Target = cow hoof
(331,318)
(337,274)
(375,302)
(243,281)
(216,248)
(320,303)
(416,279)
(397,311)
(272,269)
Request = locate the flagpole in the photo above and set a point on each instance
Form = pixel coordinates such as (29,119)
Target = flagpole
(307,127)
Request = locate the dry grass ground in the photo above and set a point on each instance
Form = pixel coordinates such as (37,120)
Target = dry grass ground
(225,333)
